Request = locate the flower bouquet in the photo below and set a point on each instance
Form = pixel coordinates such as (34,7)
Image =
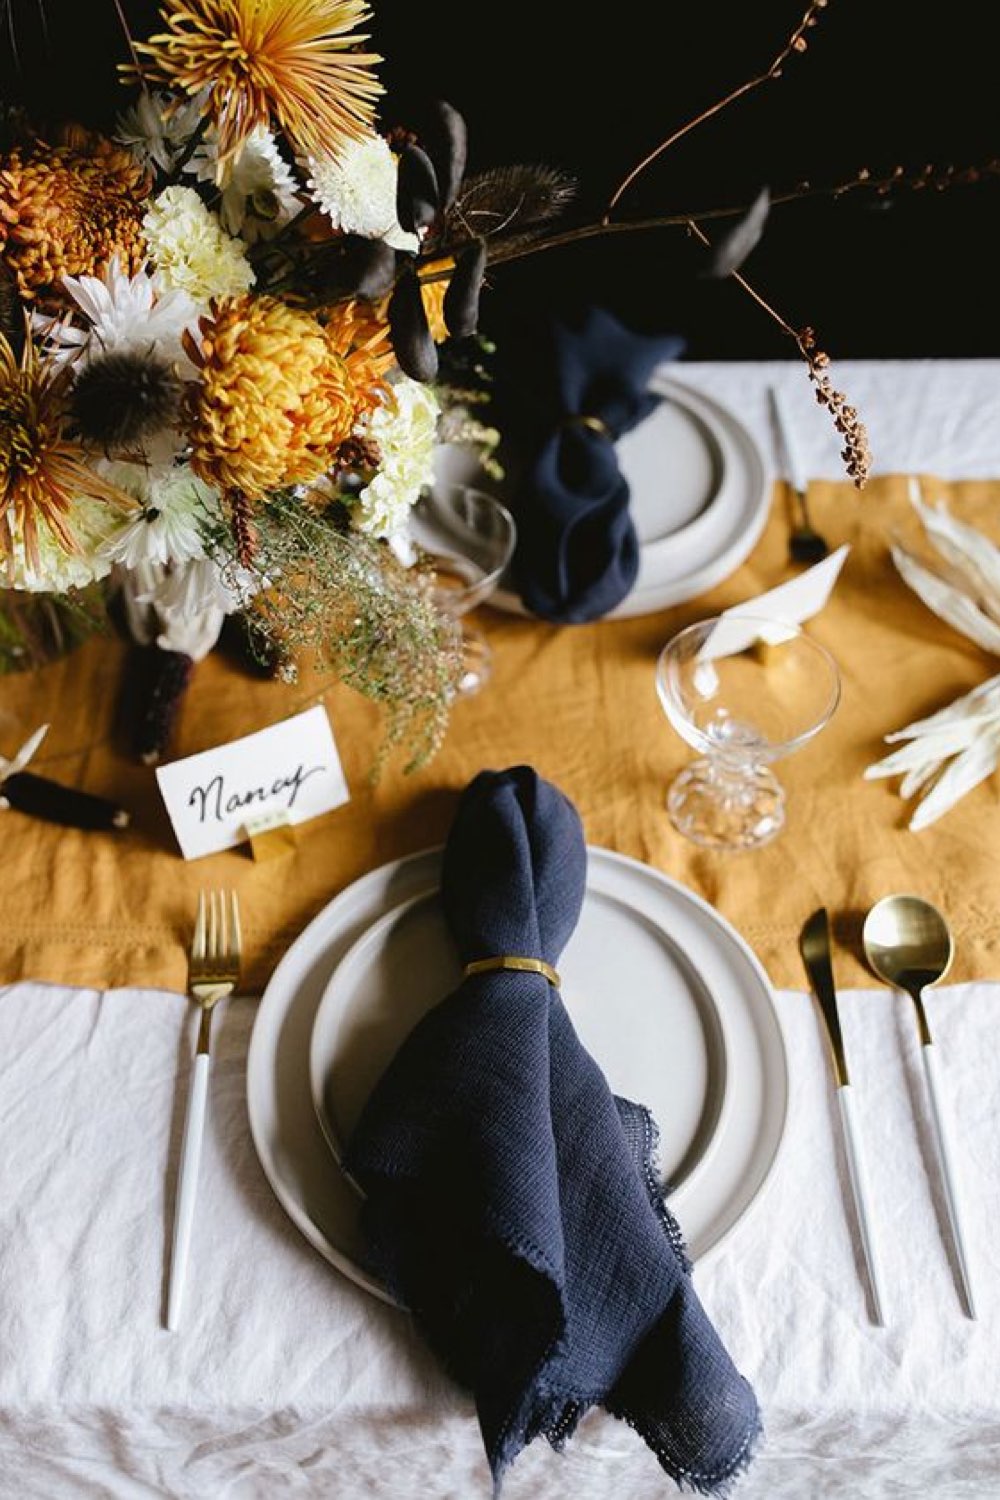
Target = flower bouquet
(220,325)
(218,361)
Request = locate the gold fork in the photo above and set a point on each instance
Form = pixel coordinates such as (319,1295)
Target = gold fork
(213,973)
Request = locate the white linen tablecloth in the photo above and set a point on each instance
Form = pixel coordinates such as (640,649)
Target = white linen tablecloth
(286,1379)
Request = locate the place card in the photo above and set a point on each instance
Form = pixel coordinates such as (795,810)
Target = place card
(791,603)
(289,772)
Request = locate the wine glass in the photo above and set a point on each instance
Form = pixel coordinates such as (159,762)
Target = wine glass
(465,539)
(744,691)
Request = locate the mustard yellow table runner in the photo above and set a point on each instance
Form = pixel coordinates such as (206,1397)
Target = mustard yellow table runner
(577,702)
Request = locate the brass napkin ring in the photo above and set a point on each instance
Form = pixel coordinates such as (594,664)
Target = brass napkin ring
(594,424)
(511,961)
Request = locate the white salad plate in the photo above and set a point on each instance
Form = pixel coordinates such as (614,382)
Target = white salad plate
(700,491)
(666,996)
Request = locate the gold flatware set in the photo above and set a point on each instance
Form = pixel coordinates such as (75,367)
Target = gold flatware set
(908,945)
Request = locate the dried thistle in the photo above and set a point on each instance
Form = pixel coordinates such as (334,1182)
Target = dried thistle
(508,198)
(124,397)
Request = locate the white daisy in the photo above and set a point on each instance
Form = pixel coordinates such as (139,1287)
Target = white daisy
(190,249)
(169,527)
(357,191)
(404,428)
(259,190)
(122,313)
(156,134)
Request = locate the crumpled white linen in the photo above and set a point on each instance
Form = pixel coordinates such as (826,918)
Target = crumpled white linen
(285,1379)
(924,416)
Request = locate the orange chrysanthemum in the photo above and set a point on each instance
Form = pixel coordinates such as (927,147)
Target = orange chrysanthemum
(42,472)
(68,210)
(275,401)
(361,338)
(296,60)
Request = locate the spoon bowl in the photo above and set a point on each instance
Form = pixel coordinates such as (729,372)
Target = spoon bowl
(907,943)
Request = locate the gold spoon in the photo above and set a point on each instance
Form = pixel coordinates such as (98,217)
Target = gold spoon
(908,944)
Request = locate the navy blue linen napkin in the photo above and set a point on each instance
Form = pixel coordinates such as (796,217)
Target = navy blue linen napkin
(511,1201)
(578,554)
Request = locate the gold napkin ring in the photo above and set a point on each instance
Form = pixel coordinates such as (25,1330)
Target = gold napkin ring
(593,424)
(512,961)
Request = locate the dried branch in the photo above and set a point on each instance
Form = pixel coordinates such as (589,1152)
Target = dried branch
(855,453)
(796,43)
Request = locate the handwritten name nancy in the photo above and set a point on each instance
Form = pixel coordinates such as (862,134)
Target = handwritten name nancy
(215,801)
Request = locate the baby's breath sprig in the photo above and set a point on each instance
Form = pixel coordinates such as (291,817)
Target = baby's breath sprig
(328,589)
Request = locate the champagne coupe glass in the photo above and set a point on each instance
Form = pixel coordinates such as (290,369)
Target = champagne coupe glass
(465,539)
(744,691)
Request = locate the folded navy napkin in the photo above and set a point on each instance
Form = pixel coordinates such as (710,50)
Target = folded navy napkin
(578,554)
(511,1200)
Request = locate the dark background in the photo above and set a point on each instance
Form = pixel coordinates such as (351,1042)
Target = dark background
(592,88)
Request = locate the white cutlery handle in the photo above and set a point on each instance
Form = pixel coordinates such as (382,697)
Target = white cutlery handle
(187,1187)
(948,1170)
(862,1199)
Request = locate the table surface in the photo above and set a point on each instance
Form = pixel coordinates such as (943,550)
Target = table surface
(288,1380)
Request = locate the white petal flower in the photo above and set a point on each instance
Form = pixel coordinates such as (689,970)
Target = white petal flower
(122,313)
(59,570)
(404,429)
(357,191)
(169,527)
(155,133)
(259,190)
(202,585)
(191,250)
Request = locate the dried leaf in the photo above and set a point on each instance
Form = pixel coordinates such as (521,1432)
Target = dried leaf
(973,559)
(948,602)
(729,253)
(965,772)
(461,300)
(511,197)
(411,338)
(417,194)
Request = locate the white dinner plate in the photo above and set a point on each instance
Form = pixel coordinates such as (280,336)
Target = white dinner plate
(672,987)
(700,492)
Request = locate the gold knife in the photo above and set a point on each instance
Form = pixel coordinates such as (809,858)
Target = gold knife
(814,945)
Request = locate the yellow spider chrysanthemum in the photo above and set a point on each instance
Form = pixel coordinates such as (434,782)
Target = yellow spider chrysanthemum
(42,472)
(275,401)
(67,210)
(295,61)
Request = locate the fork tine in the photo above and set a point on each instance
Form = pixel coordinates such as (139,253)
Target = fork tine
(235,935)
(198,940)
(223,928)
